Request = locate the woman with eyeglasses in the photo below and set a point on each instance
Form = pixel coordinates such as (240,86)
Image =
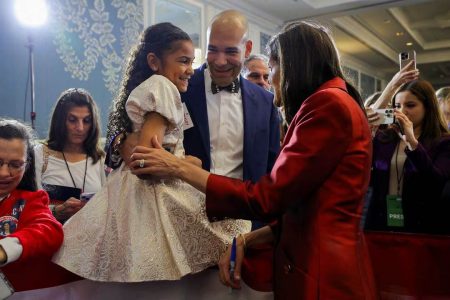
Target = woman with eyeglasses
(69,164)
(27,228)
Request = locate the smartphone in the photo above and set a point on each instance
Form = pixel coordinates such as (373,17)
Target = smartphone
(405,57)
(386,116)
(86,196)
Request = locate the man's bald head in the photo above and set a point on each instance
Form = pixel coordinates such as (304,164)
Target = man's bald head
(228,46)
(230,20)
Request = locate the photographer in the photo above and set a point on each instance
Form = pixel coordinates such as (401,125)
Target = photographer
(411,161)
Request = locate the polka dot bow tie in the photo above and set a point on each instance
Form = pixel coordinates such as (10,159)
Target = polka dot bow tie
(232,88)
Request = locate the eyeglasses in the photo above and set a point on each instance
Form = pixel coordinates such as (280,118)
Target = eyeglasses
(14,166)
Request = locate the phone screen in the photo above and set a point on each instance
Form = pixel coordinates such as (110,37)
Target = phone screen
(405,57)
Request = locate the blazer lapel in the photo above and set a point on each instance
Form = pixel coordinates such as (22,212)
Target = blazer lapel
(250,110)
(195,100)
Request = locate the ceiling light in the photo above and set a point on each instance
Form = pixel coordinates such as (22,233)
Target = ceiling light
(399,33)
(387,21)
(409,44)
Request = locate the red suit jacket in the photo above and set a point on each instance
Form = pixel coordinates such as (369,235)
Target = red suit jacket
(315,190)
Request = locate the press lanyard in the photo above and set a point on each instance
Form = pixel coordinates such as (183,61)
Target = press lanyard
(399,178)
(70,173)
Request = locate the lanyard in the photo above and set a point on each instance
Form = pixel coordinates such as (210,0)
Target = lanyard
(70,173)
(399,178)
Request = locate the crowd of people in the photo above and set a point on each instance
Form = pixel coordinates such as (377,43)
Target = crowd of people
(197,153)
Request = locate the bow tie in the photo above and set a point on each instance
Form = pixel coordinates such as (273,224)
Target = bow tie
(232,88)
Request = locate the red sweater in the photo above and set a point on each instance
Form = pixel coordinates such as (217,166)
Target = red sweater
(25,215)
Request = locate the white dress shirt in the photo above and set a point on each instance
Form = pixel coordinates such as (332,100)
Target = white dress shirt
(226,130)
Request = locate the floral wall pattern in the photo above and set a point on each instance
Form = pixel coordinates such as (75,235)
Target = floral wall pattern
(91,23)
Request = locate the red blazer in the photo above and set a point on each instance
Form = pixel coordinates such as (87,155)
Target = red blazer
(315,190)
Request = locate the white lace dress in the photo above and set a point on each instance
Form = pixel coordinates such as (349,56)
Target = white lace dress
(136,230)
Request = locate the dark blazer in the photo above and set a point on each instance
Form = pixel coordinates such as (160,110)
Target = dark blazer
(426,171)
(261,126)
(316,190)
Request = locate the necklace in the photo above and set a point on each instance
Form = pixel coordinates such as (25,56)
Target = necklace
(70,173)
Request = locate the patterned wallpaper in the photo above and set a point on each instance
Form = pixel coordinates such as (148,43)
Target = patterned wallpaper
(84,44)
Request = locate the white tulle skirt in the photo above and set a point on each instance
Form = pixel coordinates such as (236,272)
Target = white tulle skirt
(137,230)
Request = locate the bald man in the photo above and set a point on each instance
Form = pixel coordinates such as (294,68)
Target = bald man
(234,128)
(256,70)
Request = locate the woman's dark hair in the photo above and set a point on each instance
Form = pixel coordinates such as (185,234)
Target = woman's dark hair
(57,135)
(433,124)
(12,129)
(308,58)
(159,39)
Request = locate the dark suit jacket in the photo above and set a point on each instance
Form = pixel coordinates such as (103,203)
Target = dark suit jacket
(261,126)
(426,171)
(316,189)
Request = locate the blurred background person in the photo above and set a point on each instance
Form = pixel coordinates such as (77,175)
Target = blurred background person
(71,156)
(442,93)
(28,231)
(256,70)
(411,163)
(443,97)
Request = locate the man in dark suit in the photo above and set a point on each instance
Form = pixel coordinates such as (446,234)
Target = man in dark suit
(232,125)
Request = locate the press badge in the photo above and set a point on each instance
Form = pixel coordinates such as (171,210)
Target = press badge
(187,123)
(395,216)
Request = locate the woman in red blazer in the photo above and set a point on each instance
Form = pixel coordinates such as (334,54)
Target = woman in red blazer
(314,195)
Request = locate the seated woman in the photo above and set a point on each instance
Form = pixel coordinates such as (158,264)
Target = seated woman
(28,230)
(411,164)
(71,156)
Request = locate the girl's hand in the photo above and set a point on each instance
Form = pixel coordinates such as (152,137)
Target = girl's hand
(408,128)
(232,280)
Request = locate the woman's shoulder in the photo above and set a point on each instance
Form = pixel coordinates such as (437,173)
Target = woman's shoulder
(30,195)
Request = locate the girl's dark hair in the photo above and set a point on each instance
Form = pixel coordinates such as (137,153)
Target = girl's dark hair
(308,58)
(433,124)
(57,135)
(12,129)
(159,39)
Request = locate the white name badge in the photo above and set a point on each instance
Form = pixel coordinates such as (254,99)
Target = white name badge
(187,118)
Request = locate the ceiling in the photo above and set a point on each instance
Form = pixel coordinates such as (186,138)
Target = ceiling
(374,32)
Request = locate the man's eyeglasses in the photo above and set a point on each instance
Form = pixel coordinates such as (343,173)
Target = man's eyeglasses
(14,166)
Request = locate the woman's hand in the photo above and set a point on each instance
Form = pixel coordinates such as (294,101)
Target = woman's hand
(403,76)
(249,240)
(373,118)
(408,128)
(3,256)
(70,207)
(154,161)
(193,160)
(232,280)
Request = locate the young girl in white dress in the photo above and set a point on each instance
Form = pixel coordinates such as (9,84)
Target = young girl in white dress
(148,229)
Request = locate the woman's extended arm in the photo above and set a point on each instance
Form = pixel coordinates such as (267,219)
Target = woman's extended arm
(403,76)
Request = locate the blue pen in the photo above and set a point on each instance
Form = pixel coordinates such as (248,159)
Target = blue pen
(232,260)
